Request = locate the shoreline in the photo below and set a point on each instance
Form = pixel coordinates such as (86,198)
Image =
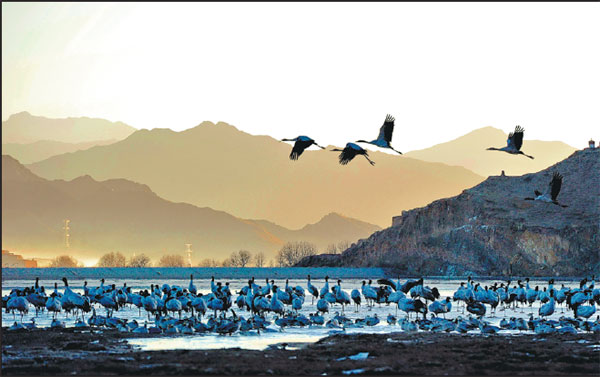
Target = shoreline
(156,273)
(93,352)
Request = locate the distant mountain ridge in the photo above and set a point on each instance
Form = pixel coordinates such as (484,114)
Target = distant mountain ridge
(122,215)
(470,152)
(43,149)
(250,176)
(24,128)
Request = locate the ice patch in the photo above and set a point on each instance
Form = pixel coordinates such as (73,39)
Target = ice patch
(358,356)
(353,371)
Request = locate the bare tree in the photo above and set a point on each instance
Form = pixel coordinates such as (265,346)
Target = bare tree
(242,258)
(114,259)
(342,246)
(174,260)
(259,259)
(140,260)
(332,248)
(239,259)
(292,252)
(65,261)
(208,263)
(227,262)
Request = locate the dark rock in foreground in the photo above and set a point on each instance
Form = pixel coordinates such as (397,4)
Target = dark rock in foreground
(66,352)
(491,230)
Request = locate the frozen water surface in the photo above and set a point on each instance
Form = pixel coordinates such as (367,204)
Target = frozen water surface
(252,340)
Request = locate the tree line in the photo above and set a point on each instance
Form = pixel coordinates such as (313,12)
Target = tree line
(287,256)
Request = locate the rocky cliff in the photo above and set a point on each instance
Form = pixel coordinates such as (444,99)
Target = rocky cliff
(491,230)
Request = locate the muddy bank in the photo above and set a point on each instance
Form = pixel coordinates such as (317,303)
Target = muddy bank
(65,352)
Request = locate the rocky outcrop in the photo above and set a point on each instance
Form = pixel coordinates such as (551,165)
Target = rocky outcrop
(491,230)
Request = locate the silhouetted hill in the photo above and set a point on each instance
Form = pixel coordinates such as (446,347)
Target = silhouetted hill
(470,152)
(122,215)
(491,230)
(218,166)
(43,149)
(25,128)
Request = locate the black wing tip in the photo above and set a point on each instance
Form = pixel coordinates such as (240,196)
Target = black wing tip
(519,129)
(343,159)
(389,118)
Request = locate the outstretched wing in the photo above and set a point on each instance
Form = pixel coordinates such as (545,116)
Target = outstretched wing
(517,138)
(510,142)
(385,132)
(299,147)
(347,155)
(555,185)
(387,282)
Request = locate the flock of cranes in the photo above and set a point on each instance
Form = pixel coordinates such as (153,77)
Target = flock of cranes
(351,150)
(176,309)
(384,140)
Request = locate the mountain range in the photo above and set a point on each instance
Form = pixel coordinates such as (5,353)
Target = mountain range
(42,149)
(221,167)
(24,128)
(469,151)
(122,215)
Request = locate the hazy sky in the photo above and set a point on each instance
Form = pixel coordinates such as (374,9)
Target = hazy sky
(327,70)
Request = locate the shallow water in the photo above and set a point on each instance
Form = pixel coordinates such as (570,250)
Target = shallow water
(252,340)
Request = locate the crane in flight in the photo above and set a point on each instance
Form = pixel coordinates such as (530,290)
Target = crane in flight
(551,192)
(513,143)
(301,143)
(385,135)
(352,150)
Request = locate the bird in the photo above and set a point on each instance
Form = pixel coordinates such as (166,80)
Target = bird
(548,308)
(297,303)
(53,304)
(18,303)
(385,135)
(350,151)
(76,300)
(552,192)
(341,297)
(440,307)
(514,143)
(313,290)
(192,287)
(301,143)
(369,293)
(323,306)
(409,305)
(476,308)
(355,294)
(325,287)
(276,304)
